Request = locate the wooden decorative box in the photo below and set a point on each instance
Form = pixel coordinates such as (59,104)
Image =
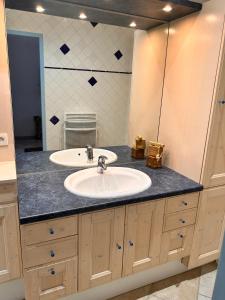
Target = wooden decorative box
(154,155)
(138,153)
(138,150)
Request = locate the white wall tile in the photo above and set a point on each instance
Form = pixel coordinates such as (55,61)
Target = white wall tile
(65,91)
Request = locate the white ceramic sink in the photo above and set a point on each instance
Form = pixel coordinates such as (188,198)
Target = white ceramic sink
(114,182)
(78,157)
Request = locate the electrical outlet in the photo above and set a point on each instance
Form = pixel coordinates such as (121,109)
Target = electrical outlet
(3,139)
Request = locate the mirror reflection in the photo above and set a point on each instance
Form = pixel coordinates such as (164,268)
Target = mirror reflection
(83,83)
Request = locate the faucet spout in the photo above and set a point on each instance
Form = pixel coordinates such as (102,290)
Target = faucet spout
(101,164)
(89,152)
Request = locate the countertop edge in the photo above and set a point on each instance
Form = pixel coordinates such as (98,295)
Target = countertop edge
(101,206)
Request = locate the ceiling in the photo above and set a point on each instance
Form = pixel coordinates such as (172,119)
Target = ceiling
(146,13)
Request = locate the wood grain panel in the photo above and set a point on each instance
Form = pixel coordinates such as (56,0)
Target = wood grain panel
(48,230)
(183,202)
(10,259)
(143,231)
(191,68)
(180,219)
(176,244)
(101,237)
(48,252)
(52,281)
(8,192)
(210,226)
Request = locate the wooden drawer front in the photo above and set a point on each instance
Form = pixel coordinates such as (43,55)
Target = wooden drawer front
(50,230)
(52,281)
(183,202)
(8,192)
(180,219)
(176,244)
(48,252)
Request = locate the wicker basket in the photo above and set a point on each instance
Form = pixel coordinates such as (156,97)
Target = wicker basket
(154,155)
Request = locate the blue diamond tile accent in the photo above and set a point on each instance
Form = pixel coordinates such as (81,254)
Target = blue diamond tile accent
(54,120)
(94,24)
(92,81)
(118,54)
(65,49)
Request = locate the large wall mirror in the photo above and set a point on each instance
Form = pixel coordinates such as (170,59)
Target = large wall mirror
(76,82)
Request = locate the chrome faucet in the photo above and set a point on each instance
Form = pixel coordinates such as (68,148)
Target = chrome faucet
(89,152)
(101,164)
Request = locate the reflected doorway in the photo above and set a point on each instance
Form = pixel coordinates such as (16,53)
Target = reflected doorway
(25,76)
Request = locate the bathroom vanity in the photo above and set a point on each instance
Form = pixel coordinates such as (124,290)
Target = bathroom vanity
(71,243)
(166,84)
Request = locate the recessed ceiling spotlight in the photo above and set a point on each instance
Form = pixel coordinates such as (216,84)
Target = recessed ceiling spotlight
(167,8)
(82,16)
(133,24)
(40,9)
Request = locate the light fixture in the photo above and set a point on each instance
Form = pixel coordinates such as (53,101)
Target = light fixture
(40,9)
(167,8)
(133,24)
(82,16)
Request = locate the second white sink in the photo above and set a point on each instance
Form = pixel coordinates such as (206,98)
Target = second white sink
(77,157)
(114,182)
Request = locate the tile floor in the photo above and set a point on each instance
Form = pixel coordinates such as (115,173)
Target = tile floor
(196,284)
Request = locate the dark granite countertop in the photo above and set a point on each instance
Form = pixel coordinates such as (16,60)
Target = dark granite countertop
(33,162)
(42,194)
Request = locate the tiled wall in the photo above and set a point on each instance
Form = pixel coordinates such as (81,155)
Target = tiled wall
(74,53)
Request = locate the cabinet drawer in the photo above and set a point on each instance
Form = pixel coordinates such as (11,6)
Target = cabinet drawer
(48,252)
(48,230)
(176,244)
(52,281)
(180,219)
(183,202)
(8,192)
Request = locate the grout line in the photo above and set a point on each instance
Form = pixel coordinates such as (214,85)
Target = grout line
(88,70)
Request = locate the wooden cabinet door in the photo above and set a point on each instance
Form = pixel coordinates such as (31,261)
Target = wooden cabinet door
(9,243)
(101,236)
(51,281)
(209,227)
(143,232)
(214,164)
(176,244)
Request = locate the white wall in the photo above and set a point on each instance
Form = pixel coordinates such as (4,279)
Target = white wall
(69,91)
(149,58)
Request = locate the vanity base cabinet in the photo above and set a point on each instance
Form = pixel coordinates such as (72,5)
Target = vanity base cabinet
(101,236)
(51,281)
(143,232)
(9,243)
(50,258)
(209,230)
